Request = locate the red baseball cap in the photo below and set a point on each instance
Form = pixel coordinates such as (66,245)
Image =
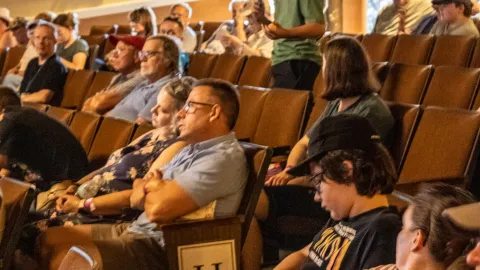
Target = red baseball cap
(134,41)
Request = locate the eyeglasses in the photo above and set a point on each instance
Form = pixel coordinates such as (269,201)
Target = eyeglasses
(191,109)
(144,55)
(118,51)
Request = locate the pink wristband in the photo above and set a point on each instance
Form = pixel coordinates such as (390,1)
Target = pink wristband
(87,205)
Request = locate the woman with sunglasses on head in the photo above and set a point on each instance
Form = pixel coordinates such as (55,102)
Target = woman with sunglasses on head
(352,173)
(143,22)
(73,51)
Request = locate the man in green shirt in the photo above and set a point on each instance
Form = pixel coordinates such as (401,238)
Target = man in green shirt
(296,60)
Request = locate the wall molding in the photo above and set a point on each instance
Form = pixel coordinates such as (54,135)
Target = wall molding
(110,9)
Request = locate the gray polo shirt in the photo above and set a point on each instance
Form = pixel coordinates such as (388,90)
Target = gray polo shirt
(140,101)
(213,170)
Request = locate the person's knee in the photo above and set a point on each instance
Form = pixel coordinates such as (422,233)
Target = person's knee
(261,211)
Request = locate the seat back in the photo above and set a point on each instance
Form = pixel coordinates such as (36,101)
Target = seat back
(452,87)
(406,83)
(37,106)
(112,134)
(281,125)
(228,67)
(201,65)
(61,114)
(317,111)
(412,49)
(78,258)
(16,200)
(99,40)
(123,30)
(256,72)
(200,39)
(319,86)
(475,60)
(84,126)
(93,52)
(379,47)
(209,28)
(258,159)
(443,147)
(252,101)
(380,69)
(76,88)
(406,119)
(140,130)
(443,53)
(100,81)
(96,30)
(12,58)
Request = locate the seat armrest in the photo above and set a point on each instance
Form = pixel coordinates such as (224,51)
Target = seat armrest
(281,150)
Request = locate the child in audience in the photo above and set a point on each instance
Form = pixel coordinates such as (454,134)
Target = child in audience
(428,240)
(143,22)
(73,51)
(454,18)
(352,173)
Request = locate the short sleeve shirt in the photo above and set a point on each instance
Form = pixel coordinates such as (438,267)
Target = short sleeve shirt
(51,75)
(294,13)
(78,46)
(125,84)
(464,28)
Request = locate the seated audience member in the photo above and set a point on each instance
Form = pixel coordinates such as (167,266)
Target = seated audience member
(143,22)
(183,12)
(35,147)
(251,39)
(5,36)
(172,27)
(352,173)
(16,34)
(73,51)
(45,75)
(210,173)
(425,25)
(159,59)
(124,60)
(402,16)
(428,240)
(454,18)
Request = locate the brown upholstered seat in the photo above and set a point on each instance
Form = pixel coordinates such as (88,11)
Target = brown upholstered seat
(318,86)
(228,67)
(37,106)
(84,126)
(452,87)
(252,101)
(140,130)
(76,88)
(317,111)
(210,28)
(406,83)
(196,26)
(475,59)
(201,65)
(406,119)
(452,51)
(100,81)
(256,72)
(442,147)
(123,30)
(12,58)
(99,40)
(282,118)
(101,30)
(379,47)
(412,49)
(93,53)
(380,69)
(61,114)
(200,39)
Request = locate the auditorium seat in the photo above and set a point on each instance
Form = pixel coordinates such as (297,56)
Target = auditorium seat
(452,51)
(281,125)
(112,134)
(442,149)
(100,81)
(76,88)
(452,87)
(228,67)
(93,52)
(84,126)
(12,58)
(252,102)
(99,40)
(256,72)
(123,30)
(198,26)
(140,130)
(200,39)
(406,119)
(108,48)
(406,83)
(412,49)
(380,69)
(201,65)
(61,114)
(317,111)
(37,106)
(318,86)
(209,28)
(379,47)
(101,30)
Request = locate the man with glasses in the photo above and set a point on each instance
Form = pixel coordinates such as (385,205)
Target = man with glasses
(205,179)
(183,12)
(124,60)
(159,64)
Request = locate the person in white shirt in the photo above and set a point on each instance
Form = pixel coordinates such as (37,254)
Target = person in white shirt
(183,12)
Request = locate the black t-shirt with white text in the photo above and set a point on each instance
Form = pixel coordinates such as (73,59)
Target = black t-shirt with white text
(360,242)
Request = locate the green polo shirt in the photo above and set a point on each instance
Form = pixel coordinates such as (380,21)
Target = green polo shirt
(293,13)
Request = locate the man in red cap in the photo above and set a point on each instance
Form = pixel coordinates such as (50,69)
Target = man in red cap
(124,60)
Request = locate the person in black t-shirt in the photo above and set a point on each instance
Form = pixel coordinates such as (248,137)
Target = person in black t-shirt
(35,147)
(352,173)
(45,75)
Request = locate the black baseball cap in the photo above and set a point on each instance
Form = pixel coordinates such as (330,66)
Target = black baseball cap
(344,131)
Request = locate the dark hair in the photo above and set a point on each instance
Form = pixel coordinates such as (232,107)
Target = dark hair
(174,20)
(48,25)
(348,71)
(228,95)
(171,51)
(373,171)
(146,17)
(47,16)
(67,20)
(8,97)
(467,8)
(445,241)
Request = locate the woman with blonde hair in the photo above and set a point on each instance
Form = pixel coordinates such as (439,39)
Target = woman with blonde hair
(143,22)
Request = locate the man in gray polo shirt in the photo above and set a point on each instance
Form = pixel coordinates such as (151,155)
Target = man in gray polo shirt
(159,59)
(206,178)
